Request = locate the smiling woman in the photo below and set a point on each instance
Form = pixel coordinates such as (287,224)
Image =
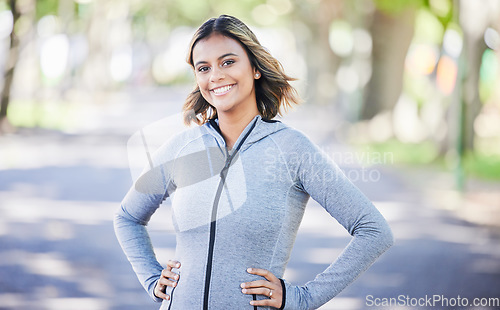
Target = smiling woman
(238,47)
(225,78)
(241,182)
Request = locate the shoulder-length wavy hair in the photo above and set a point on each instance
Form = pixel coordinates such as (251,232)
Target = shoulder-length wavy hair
(273,90)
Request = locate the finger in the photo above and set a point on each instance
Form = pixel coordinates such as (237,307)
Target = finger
(264,273)
(258,291)
(166,282)
(165,273)
(160,291)
(162,295)
(258,283)
(173,264)
(266,302)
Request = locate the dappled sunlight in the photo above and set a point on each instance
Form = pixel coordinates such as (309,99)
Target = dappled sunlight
(32,210)
(38,152)
(408,222)
(403,231)
(76,303)
(457,233)
(392,210)
(120,65)
(291,274)
(487,265)
(3,227)
(322,255)
(14,257)
(55,265)
(58,230)
(12,301)
(6,24)
(408,126)
(169,65)
(343,303)
(59,245)
(96,284)
(422,59)
(389,279)
(488,124)
(54,56)
(49,264)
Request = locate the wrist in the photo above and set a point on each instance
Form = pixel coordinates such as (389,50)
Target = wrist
(283,299)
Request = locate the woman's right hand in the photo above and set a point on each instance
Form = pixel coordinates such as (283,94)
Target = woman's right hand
(167,278)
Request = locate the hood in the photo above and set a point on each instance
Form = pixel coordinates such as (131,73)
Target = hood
(262,129)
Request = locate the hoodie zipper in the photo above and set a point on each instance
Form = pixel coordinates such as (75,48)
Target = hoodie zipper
(211,243)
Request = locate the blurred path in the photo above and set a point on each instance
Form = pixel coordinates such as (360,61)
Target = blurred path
(58,193)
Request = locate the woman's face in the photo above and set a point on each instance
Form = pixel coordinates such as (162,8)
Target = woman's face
(225,75)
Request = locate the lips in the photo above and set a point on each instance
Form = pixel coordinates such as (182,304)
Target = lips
(219,91)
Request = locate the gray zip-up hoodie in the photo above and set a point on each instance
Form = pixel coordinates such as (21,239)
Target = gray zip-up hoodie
(242,208)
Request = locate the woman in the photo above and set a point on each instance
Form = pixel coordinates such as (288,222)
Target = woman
(239,185)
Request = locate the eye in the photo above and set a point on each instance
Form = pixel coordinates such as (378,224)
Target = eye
(202,69)
(228,62)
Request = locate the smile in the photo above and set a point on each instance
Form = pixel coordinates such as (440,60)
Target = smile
(222,90)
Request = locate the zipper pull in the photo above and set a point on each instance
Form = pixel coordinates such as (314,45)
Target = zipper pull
(226,167)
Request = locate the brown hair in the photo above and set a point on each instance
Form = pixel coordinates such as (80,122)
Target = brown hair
(273,90)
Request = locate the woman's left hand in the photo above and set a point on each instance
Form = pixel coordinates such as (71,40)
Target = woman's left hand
(271,287)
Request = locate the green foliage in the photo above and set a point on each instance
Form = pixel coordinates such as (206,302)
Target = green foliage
(428,27)
(83,10)
(4,6)
(46,7)
(488,73)
(50,115)
(442,9)
(394,7)
(192,11)
(408,153)
(476,164)
(189,13)
(482,165)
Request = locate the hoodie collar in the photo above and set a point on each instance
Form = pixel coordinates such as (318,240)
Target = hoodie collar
(260,130)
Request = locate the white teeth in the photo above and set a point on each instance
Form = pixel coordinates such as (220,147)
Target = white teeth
(222,89)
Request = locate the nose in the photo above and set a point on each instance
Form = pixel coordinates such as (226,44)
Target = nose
(217,74)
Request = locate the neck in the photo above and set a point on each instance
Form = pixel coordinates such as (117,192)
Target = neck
(232,126)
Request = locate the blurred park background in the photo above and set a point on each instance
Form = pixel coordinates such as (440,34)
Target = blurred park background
(416,79)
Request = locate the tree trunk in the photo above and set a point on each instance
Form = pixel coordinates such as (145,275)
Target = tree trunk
(320,59)
(9,70)
(392,35)
(474,49)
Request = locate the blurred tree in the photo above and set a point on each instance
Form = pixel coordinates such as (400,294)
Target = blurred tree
(312,20)
(392,31)
(468,102)
(25,14)
(474,48)
(8,75)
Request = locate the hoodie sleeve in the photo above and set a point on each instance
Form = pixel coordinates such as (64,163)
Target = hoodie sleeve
(322,179)
(141,201)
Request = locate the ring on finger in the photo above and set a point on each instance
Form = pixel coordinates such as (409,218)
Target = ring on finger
(270,293)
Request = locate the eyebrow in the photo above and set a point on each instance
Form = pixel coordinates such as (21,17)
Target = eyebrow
(225,55)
